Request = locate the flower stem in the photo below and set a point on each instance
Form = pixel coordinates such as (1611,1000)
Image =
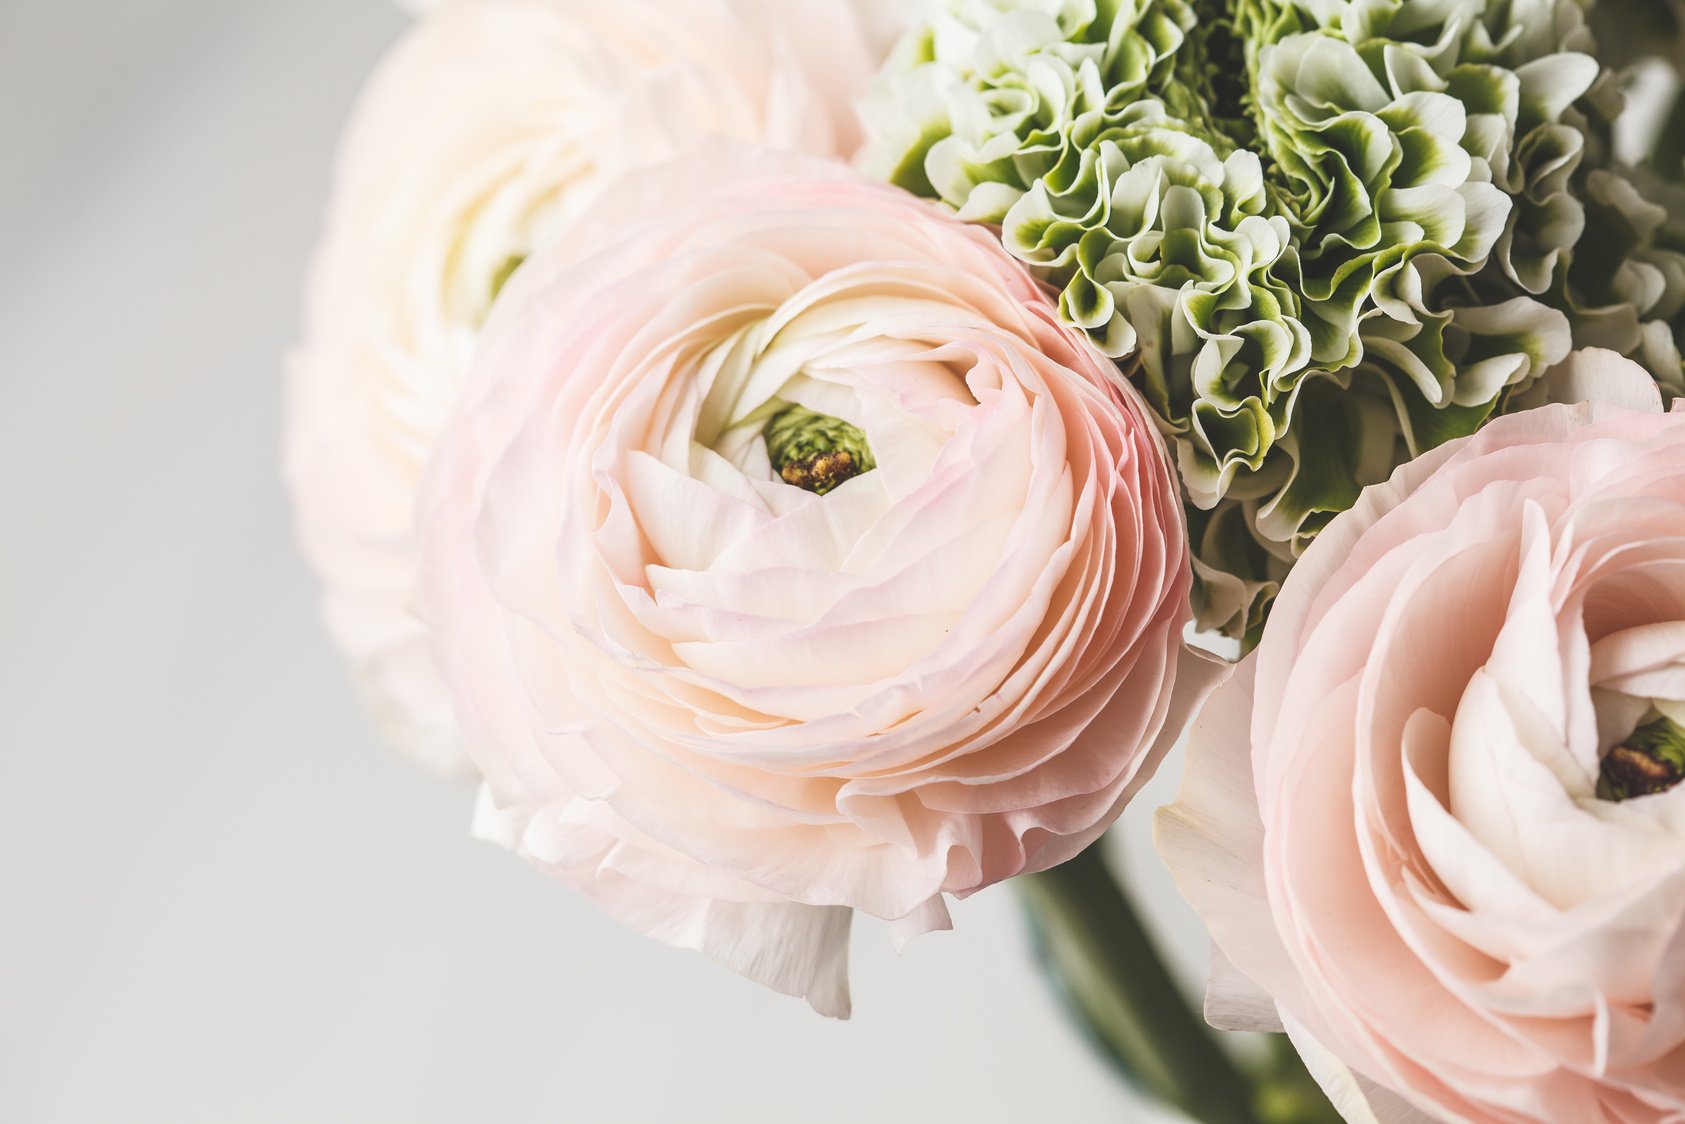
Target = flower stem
(1120,985)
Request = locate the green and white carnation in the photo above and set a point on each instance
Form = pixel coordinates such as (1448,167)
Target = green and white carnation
(1323,236)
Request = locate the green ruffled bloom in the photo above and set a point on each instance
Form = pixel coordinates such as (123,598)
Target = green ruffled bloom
(978,135)
(1629,31)
(1628,279)
(1322,236)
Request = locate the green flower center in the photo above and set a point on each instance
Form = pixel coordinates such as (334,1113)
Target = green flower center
(1649,761)
(500,277)
(815,451)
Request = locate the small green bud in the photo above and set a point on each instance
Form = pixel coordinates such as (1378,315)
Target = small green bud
(815,451)
(1650,760)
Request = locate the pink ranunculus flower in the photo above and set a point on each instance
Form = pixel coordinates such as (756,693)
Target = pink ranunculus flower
(485,131)
(1432,823)
(788,558)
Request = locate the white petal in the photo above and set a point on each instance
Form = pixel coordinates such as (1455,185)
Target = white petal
(930,917)
(1234,1002)
(1213,841)
(1357,1099)
(795,949)
(1595,374)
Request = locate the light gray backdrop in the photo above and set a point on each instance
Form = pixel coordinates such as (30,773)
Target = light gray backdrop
(220,899)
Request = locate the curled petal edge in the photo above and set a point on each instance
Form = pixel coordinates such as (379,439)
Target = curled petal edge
(794,949)
(1357,1099)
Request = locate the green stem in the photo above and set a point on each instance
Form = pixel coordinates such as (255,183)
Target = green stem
(1670,142)
(1124,991)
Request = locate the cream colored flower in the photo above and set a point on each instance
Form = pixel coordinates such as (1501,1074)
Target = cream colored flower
(483,133)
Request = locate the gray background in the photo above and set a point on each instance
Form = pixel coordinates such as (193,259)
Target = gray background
(220,898)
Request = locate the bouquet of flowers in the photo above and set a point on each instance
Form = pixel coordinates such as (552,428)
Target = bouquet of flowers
(813,456)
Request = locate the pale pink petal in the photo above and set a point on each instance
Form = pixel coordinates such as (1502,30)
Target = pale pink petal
(732,711)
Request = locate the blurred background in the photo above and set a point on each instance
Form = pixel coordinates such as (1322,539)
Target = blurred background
(222,899)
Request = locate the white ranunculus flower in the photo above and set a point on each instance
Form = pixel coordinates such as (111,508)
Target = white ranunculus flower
(884,20)
(484,132)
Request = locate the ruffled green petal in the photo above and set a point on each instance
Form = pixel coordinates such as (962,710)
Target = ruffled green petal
(1322,236)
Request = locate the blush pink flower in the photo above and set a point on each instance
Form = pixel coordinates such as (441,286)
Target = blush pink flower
(788,558)
(489,127)
(1432,823)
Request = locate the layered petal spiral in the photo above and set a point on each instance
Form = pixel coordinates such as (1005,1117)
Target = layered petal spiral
(1435,821)
(484,132)
(787,558)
